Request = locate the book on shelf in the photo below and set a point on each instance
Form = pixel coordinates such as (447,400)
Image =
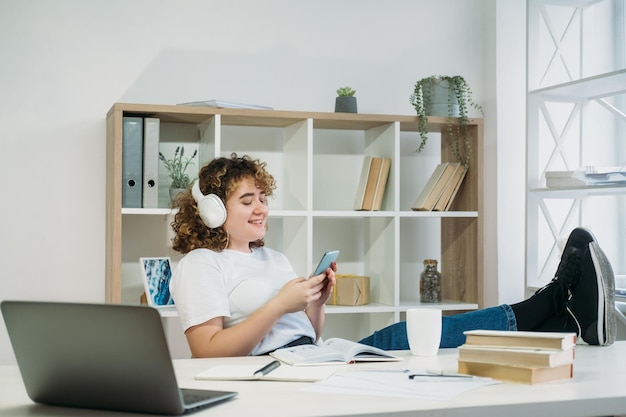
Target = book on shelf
(150,188)
(367,183)
(447,197)
(563,179)
(332,351)
(381,183)
(435,186)
(224,105)
(516,356)
(587,176)
(527,375)
(360,191)
(430,184)
(520,339)
(132,160)
(251,373)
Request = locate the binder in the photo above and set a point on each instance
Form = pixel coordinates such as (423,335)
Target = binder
(151,162)
(132,144)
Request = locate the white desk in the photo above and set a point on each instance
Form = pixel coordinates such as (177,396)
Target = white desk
(597,389)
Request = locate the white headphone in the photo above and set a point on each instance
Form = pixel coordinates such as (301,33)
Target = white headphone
(210,206)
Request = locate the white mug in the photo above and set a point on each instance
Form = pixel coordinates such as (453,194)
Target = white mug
(423,330)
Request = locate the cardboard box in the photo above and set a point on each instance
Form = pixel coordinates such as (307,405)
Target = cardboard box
(351,290)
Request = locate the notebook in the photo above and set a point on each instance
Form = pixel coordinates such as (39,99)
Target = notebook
(157,274)
(98,356)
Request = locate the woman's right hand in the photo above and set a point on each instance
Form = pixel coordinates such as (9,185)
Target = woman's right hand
(299,293)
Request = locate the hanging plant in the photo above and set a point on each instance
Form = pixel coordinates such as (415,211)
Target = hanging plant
(459,98)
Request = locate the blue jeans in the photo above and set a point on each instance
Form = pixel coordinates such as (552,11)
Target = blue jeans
(393,337)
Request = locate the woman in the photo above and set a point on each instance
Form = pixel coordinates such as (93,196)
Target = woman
(235,297)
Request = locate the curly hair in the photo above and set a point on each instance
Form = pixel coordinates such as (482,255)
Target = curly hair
(221,177)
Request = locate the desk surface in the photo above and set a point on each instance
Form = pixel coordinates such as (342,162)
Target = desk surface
(597,389)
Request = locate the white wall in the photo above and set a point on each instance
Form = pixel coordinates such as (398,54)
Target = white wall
(510,126)
(64,63)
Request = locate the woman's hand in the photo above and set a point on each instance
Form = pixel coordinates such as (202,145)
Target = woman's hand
(328,282)
(316,310)
(299,293)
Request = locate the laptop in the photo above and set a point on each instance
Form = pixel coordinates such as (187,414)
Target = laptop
(157,274)
(98,356)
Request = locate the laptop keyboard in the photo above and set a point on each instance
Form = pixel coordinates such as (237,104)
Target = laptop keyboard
(191,396)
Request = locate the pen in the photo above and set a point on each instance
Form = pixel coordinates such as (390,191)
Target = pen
(268,368)
(439,376)
(448,374)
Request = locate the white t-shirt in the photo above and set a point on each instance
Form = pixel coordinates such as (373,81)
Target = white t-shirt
(233,284)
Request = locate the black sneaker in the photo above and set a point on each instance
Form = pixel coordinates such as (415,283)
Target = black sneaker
(568,273)
(592,306)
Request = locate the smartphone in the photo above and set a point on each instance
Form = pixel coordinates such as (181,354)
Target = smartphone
(327,259)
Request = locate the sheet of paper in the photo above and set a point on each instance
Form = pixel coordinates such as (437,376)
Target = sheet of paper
(397,384)
(282,373)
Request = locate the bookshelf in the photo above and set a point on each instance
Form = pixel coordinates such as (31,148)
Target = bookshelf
(317,160)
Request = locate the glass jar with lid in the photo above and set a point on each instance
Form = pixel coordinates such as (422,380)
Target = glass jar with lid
(430,282)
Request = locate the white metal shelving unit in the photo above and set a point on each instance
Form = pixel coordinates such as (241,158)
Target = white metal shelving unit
(576,117)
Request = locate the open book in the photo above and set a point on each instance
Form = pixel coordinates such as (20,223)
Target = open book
(332,351)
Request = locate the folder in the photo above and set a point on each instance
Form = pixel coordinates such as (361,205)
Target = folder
(132,144)
(151,162)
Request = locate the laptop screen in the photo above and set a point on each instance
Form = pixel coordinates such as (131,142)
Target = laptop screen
(97,356)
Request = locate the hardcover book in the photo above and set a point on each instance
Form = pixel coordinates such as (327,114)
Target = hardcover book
(516,357)
(447,197)
(435,186)
(527,375)
(368,183)
(381,183)
(537,340)
(563,179)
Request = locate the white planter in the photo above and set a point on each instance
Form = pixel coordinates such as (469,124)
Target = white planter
(438,101)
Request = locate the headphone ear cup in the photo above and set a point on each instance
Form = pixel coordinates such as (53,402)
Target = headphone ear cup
(210,206)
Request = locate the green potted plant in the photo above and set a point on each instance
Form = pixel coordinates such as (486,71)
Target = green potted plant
(345,101)
(450,96)
(177,170)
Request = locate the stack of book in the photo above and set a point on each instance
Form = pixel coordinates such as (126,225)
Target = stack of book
(373,183)
(441,188)
(526,357)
